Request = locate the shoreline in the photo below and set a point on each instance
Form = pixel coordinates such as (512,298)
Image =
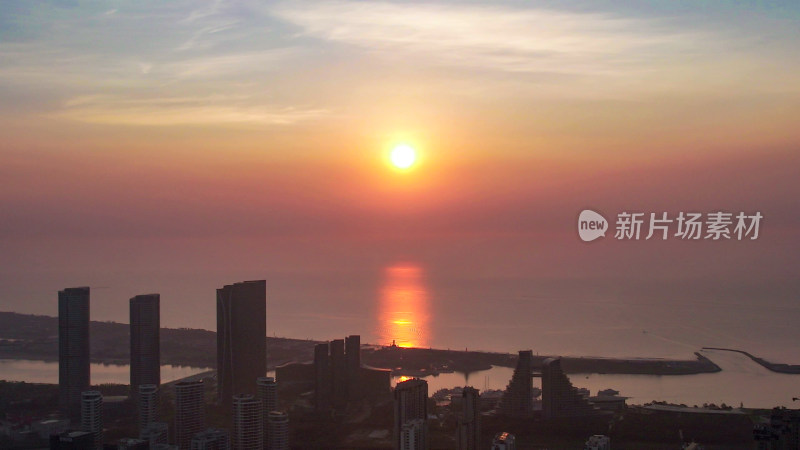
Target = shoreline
(32,337)
(791,369)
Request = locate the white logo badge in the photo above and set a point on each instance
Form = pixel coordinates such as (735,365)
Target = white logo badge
(591,225)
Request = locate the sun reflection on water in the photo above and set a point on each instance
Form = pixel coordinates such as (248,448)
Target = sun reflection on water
(403,313)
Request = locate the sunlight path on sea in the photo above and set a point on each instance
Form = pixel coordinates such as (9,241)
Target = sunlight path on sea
(404,310)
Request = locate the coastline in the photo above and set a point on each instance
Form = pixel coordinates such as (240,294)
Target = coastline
(792,369)
(33,337)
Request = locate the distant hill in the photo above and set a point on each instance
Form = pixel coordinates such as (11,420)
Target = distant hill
(27,336)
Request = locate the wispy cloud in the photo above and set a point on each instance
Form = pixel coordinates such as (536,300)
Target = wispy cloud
(489,37)
(237,64)
(209,110)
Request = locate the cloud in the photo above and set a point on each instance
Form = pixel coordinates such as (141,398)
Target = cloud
(489,37)
(168,111)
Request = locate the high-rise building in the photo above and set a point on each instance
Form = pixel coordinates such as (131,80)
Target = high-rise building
(147,405)
(190,416)
(338,373)
(559,397)
(504,441)
(411,403)
(248,423)
(412,435)
(267,392)
(517,400)
(352,358)
(211,439)
(468,430)
(73,349)
(145,347)
(322,379)
(92,415)
(241,338)
(278,438)
(72,440)
(155,433)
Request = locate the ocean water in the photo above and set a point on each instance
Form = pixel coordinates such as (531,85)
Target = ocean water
(412,306)
(47,372)
(741,382)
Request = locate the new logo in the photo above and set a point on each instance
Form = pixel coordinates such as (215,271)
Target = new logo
(591,225)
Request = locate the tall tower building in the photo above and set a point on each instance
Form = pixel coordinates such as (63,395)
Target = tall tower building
(248,423)
(92,416)
(278,438)
(267,390)
(559,397)
(352,358)
(411,404)
(241,338)
(338,373)
(145,347)
(147,405)
(517,400)
(468,431)
(190,416)
(73,349)
(322,379)
(412,436)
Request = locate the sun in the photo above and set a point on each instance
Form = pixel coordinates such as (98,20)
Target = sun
(403,156)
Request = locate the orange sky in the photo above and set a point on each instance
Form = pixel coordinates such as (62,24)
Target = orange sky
(148,126)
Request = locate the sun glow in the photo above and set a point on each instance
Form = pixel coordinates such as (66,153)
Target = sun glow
(403,313)
(403,156)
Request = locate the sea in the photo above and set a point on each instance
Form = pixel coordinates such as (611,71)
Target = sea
(411,304)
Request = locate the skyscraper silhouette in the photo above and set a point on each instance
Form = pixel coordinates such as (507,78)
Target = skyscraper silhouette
(338,373)
(352,358)
(241,338)
(559,397)
(517,400)
(411,413)
(92,416)
(278,438)
(322,379)
(147,405)
(248,425)
(268,395)
(190,415)
(73,349)
(468,430)
(145,346)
